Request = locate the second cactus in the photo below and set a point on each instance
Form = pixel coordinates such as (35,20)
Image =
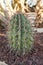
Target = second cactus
(20,33)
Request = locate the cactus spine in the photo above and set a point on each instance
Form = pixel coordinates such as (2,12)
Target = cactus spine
(20,33)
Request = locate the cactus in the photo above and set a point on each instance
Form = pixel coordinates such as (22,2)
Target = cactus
(20,33)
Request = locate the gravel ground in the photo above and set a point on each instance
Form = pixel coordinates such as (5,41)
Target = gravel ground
(35,57)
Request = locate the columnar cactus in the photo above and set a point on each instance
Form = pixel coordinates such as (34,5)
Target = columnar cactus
(20,33)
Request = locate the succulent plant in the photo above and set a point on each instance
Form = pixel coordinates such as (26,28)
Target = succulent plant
(20,34)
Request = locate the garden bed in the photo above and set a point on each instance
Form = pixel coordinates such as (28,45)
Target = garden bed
(35,57)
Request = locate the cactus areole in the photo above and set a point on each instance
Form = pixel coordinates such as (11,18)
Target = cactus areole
(20,33)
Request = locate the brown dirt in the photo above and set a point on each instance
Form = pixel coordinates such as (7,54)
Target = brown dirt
(40,25)
(35,57)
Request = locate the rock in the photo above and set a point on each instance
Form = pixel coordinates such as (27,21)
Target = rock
(3,63)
